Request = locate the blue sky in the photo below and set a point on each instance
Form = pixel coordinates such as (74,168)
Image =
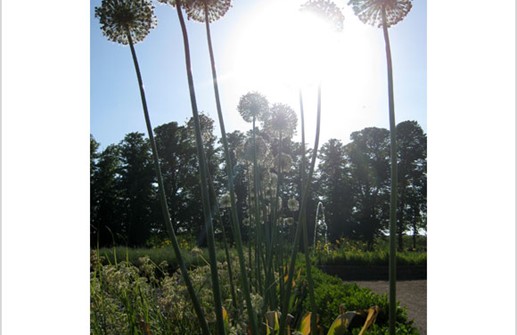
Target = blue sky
(253,53)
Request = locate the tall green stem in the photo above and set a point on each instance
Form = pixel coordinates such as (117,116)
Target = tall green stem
(303,222)
(229,172)
(394,189)
(203,172)
(303,216)
(302,167)
(165,211)
(258,230)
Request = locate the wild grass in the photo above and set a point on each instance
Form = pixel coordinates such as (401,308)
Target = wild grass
(193,257)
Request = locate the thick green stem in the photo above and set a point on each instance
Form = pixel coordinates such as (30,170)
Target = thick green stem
(165,211)
(303,222)
(204,180)
(230,272)
(394,189)
(229,171)
(302,167)
(256,209)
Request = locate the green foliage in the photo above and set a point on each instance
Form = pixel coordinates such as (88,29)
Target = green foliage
(340,180)
(122,301)
(349,252)
(127,297)
(331,293)
(401,329)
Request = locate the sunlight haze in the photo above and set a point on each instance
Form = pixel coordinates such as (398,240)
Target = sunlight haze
(270,47)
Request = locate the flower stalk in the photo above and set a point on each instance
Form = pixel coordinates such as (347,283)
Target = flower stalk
(384,14)
(394,186)
(204,179)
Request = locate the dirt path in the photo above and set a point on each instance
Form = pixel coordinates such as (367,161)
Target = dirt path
(411,294)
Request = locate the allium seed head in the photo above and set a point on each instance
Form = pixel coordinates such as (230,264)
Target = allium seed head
(120,17)
(214,8)
(371,11)
(327,10)
(252,105)
(293,204)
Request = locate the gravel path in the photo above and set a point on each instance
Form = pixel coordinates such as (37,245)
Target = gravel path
(411,294)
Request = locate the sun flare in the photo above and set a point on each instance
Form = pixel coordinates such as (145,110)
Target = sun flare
(280,50)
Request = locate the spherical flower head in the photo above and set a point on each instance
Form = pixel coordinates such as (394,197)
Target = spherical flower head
(274,178)
(286,162)
(196,251)
(214,8)
(252,105)
(171,2)
(225,201)
(282,120)
(260,150)
(293,204)
(327,10)
(370,11)
(120,17)
(289,221)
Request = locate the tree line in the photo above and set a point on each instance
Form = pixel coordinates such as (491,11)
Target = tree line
(352,182)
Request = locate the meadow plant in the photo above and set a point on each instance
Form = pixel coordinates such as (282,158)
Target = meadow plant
(130,299)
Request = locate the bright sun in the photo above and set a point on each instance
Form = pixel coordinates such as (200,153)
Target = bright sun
(280,50)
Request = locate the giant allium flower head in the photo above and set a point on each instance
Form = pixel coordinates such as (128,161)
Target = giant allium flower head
(293,204)
(182,3)
(260,150)
(214,8)
(370,11)
(282,120)
(327,10)
(117,17)
(225,201)
(252,105)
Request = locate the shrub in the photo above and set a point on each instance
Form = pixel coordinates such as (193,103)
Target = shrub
(330,293)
